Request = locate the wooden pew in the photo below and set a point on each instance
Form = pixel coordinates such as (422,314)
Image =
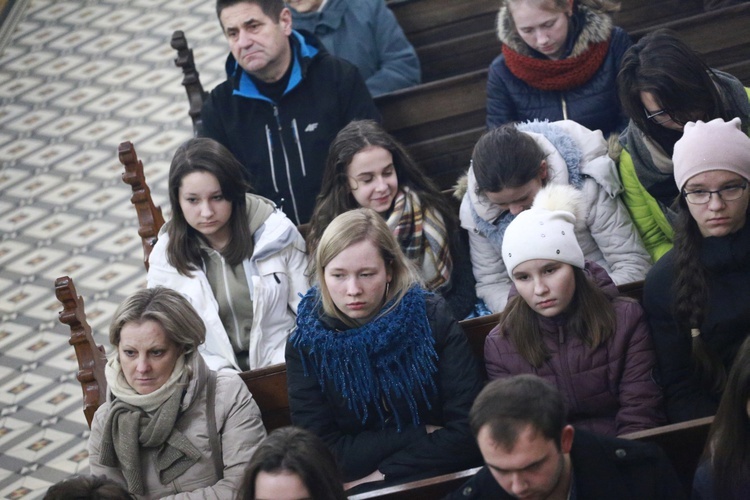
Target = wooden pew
(719,36)
(268,387)
(150,218)
(683,443)
(424,489)
(90,357)
(190,79)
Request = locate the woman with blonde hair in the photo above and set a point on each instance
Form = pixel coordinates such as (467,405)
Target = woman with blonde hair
(377,367)
(170,426)
(367,167)
(559,61)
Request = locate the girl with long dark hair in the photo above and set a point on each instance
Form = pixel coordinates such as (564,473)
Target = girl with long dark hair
(697,295)
(235,256)
(569,325)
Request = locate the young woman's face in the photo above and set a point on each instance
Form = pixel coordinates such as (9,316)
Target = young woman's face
(718,217)
(547,286)
(356,280)
(205,208)
(543,27)
(147,356)
(653,109)
(282,485)
(372,178)
(518,199)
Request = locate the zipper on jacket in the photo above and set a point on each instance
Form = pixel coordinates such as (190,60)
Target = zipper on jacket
(238,339)
(565,366)
(299,146)
(286,162)
(270,158)
(564,107)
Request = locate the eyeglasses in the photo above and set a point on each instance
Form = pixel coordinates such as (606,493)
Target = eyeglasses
(702,196)
(661,117)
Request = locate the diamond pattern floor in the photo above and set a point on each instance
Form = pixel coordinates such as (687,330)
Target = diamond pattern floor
(76,79)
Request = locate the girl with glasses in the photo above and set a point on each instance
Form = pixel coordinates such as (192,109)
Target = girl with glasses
(698,295)
(663,84)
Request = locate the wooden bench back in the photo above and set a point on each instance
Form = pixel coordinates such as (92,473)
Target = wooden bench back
(150,218)
(90,357)
(683,444)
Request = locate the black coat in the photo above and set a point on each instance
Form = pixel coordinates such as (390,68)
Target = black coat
(284,145)
(726,324)
(360,449)
(603,468)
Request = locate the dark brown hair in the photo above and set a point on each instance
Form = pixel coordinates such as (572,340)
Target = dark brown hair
(728,445)
(207,155)
(335,195)
(511,404)
(297,451)
(591,317)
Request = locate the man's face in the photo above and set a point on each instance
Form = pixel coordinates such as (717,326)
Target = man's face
(534,469)
(260,45)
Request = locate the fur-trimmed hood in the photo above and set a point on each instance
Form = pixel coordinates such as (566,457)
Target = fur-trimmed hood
(595,27)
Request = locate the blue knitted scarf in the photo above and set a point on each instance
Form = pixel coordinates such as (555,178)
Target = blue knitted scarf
(391,358)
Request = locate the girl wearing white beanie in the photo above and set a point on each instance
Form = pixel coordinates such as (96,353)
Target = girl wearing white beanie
(569,325)
(698,295)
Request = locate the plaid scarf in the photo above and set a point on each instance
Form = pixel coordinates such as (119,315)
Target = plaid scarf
(422,236)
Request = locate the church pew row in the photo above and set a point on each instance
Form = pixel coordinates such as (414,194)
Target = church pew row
(683,443)
(439,122)
(452,38)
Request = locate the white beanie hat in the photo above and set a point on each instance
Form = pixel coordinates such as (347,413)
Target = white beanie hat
(546,230)
(715,145)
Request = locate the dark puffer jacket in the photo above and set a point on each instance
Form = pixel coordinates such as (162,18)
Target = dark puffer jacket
(608,390)
(594,104)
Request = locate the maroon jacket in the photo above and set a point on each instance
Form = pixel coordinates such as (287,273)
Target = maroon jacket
(608,390)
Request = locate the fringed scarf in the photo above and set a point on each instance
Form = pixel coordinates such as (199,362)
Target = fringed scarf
(146,421)
(422,236)
(563,74)
(391,358)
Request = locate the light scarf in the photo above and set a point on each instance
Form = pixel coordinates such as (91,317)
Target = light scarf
(373,366)
(422,236)
(139,421)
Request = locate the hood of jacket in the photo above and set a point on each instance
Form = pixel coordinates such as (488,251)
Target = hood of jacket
(572,152)
(304,48)
(587,26)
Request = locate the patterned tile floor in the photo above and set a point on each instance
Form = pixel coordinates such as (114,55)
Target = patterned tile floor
(76,79)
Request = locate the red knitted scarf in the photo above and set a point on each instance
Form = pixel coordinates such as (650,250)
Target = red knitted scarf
(564,74)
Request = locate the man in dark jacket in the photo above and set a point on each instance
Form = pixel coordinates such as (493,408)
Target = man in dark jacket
(284,100)
(530,452)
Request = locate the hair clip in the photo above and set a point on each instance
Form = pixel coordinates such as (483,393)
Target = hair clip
(694,332)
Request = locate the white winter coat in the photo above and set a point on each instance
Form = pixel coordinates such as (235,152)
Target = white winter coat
(608,236)
(276,277)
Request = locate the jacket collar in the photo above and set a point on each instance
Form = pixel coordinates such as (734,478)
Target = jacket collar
(304,48)
(587,27)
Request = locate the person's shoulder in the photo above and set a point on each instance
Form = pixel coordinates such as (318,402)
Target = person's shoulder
(661,273)
(624,452)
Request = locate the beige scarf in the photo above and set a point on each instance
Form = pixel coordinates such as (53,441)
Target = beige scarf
(138,421)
